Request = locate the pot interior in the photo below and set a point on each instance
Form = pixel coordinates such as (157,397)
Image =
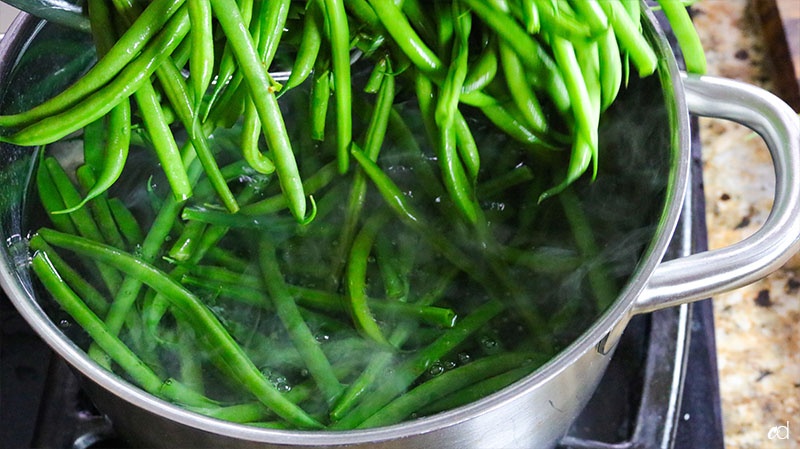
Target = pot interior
(625,211)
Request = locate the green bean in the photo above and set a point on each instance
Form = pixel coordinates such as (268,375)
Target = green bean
(444,17)
(446,383)
(236,362)
(520,90)
(560,20)
(584,114)
(185,245)
(396,202)
(271,29)
(201,61)
(580,158)
(238,413)
(543,260)
(116,153)
(251,131)
(686,35)
(630,39)
(163,141)
(356,276)
(191,366)
(445,141)
(116,349)
(454,80)
(482,72)
(413,367)
(90,295)
(592,14)
(100,24)
(391,193)
(634,11)
(530,16)
(499,184)
(126,222)
(266,105)
(129,80)
(94,144)
(377,366)
(588,55)
(319,98)
(113,63)
(364,13)
(318,365)
(456,181)
(602,283)
(535,56)
(249,289)
(200,214)
(507,122)
(75,307)
(148,250)
(339,36)
(227,64)
(312,184)
(50,197)
(394,269)
(586,111)
(158,305)
(221,84)
(476,391)
(373,84)
(396,23)
(81,218)
(179,97)
(376,132)
(420,18)
(610,68)
(100,209)
(309,47)
(405,139)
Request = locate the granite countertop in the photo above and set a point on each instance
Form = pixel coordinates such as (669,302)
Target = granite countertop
(757,327)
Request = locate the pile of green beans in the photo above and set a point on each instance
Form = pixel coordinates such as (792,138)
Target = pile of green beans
(356,246)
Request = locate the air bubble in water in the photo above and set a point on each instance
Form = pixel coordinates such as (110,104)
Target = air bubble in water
(488,342)
(138,251)
(322,338)
(436,369)
(64,324)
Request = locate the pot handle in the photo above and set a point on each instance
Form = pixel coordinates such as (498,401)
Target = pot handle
(704,274)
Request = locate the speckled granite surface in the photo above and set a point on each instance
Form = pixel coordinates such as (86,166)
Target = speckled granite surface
(757,327)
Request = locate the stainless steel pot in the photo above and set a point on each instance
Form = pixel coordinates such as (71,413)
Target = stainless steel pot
(532,413)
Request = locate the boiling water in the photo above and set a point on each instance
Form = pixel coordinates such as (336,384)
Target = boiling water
(553,266)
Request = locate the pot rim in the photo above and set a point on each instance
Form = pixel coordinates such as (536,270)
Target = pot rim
(604,332)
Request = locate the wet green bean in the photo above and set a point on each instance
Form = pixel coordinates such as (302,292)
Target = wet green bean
(113,63)
(317,363)
(339,37)
(309,46)
(413,367)
(236,363)
(266,104)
